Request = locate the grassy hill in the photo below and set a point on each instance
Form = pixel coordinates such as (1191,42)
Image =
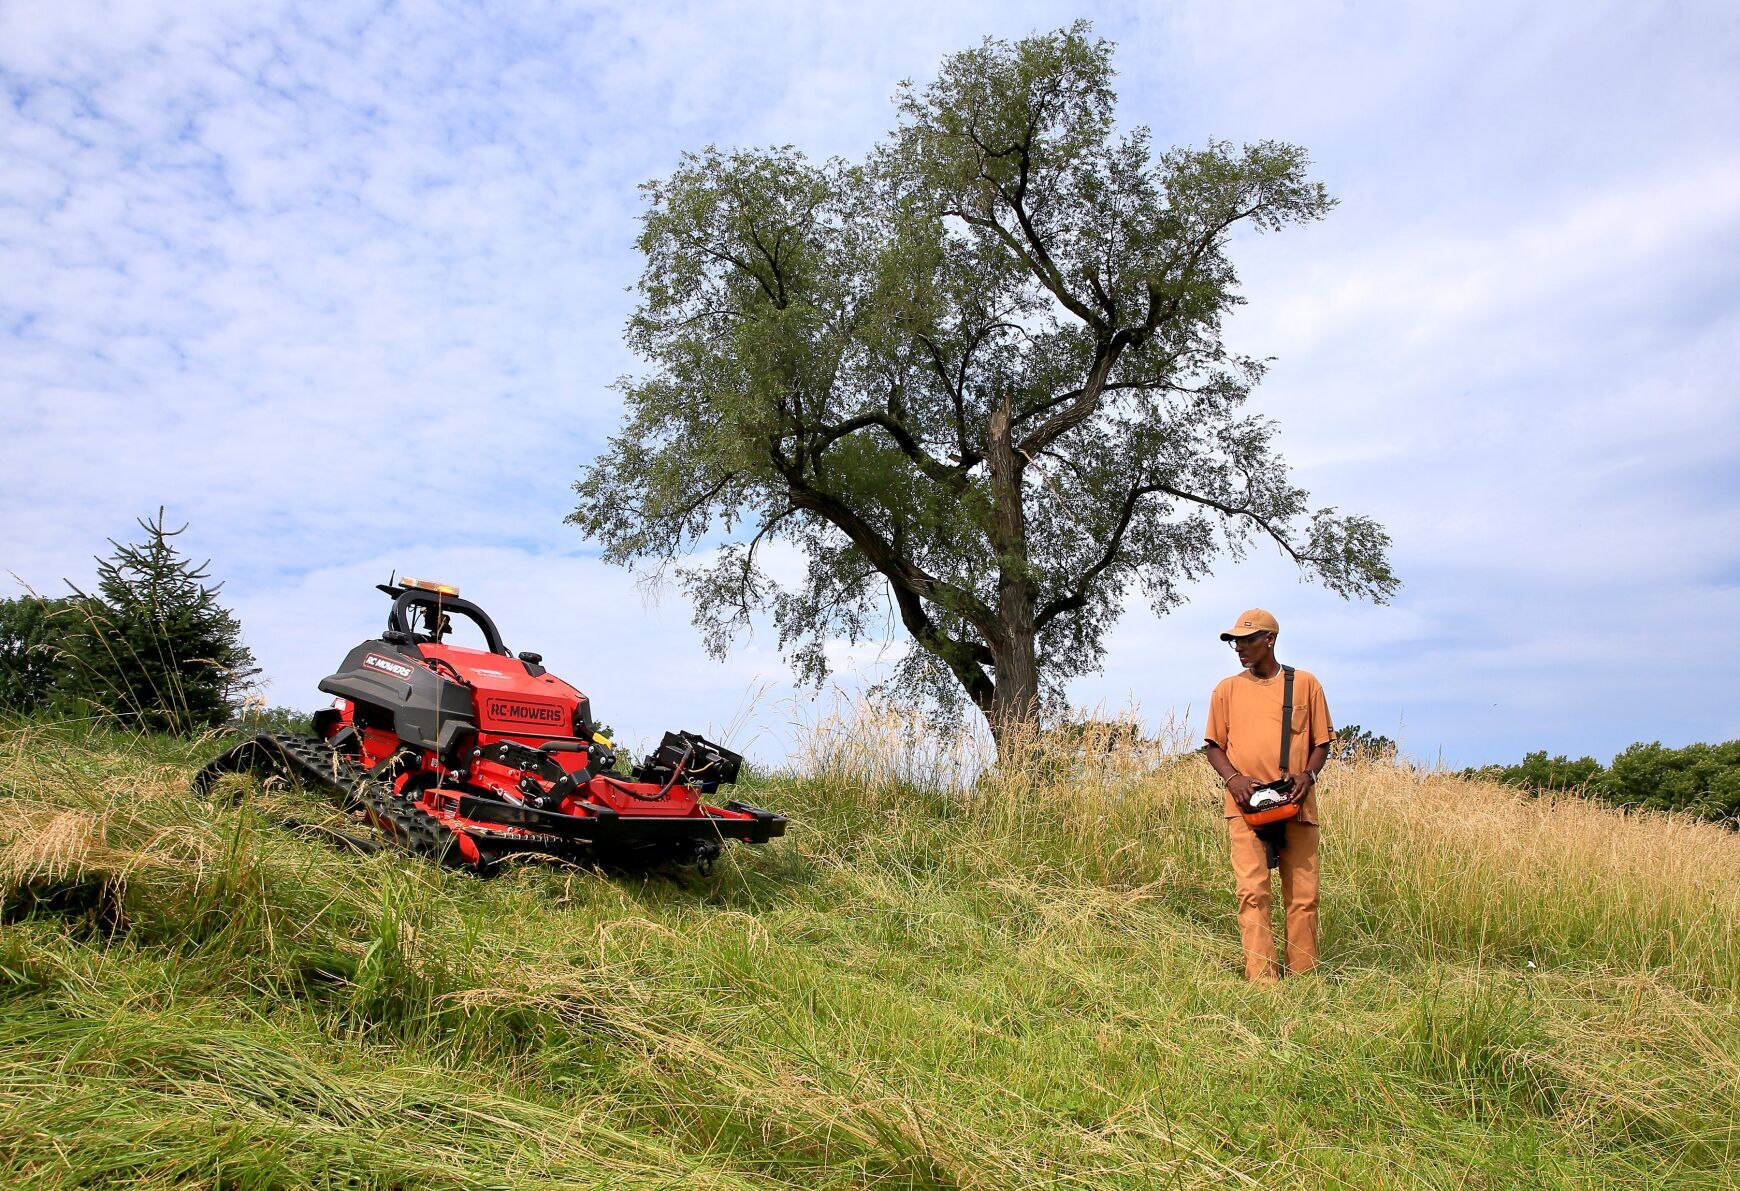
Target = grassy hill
(1036,986)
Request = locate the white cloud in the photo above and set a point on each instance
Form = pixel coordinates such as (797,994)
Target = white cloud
(344,287)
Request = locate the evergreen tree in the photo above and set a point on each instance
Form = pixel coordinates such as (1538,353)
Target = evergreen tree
(156,647)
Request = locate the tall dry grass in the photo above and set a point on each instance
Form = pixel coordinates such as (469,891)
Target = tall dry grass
(950,974)
(1419,862)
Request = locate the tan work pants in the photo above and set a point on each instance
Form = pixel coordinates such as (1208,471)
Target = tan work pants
(1298,894)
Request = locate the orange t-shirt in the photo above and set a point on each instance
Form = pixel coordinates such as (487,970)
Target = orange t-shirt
(1244,718)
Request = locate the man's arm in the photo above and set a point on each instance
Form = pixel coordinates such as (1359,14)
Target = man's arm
(1322,732)
(1237,783)
(1306,778)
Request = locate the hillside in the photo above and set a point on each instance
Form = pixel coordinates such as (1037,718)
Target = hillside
(1033,987)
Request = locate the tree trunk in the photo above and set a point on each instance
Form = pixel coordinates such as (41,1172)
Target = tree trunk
(1014,713)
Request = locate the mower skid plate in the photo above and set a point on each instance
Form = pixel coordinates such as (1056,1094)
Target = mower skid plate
(605,826)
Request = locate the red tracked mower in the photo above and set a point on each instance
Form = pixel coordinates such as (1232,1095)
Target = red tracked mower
(469,755)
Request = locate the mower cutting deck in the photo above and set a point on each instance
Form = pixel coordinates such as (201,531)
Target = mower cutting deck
(468,755)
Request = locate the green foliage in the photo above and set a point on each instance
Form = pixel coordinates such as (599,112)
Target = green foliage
(977,380)
(1542,773)
(1353,743)
(35,673)
(1700,779)
(151,647)
(275,719)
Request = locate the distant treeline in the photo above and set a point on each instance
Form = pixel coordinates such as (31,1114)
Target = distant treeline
(1700,779)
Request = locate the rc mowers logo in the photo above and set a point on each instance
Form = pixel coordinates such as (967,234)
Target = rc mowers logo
(514,712)
(399,670)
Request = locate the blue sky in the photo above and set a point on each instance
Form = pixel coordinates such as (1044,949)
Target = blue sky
(343,286)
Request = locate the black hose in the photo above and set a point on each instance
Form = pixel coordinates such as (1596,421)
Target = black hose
(663,790)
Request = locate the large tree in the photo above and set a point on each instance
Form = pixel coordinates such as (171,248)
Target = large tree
(977,380)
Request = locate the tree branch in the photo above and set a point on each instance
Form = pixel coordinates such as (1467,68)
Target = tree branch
(1154,382)
(953,477)
(954,387)
(1077,597)
(966,660)
(746,583)
(902,573)
(1084,405)
(1245,511)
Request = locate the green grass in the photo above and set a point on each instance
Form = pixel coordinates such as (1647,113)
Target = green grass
(1036,986)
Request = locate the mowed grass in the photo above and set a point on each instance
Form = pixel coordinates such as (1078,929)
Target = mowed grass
(1034,984)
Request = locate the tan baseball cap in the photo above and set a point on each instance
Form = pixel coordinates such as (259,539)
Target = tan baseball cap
(1253,620)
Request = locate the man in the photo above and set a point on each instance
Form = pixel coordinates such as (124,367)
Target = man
(1244,746)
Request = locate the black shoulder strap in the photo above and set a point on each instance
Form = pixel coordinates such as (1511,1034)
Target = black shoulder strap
(1286,717)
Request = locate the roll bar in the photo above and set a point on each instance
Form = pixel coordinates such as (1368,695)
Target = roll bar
(407,598)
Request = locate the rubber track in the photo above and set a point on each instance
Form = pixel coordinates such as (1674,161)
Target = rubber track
(307,761)
(415,828)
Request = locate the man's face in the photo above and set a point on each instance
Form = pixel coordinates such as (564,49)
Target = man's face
(1254,648)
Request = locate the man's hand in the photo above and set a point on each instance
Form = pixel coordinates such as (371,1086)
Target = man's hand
(1302,783)
(1240,787)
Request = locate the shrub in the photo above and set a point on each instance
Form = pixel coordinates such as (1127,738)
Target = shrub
(261,718)
(1700,779)
(1703,779)
(1353,743)
(35,674)
(1545,774)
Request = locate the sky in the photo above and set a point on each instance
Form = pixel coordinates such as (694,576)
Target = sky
(343,288)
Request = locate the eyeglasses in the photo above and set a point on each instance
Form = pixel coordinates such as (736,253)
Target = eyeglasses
(1248,639)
